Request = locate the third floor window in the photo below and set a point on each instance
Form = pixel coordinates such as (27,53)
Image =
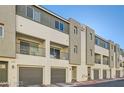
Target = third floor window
(59,26)
(1,31)
(33,14)
(75,30)
(30,12)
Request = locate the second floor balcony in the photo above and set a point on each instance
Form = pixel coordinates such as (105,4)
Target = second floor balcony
(58,51)
(27,49)
(97,58)
(105,60)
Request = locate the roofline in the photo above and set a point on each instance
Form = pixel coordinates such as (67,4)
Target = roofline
(52,13)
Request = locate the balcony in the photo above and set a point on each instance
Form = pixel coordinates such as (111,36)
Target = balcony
(59,51)
(97,58)
(30,50)
(98,61)
(63,56)
(105,60)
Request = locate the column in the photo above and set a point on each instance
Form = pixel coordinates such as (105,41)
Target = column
(46,75)
(47,68)
(101,69)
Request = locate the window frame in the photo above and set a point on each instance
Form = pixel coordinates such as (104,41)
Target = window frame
(75,49)
(3,33)
(61,24)
(54,52)
(27,12)
(57,27)
(34,15)
(75,30)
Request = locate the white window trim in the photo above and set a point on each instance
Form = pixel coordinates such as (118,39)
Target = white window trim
(2,31)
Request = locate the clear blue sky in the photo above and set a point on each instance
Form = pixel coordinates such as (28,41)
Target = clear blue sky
(107,21)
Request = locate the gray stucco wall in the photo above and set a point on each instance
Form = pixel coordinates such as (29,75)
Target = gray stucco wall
(90,45)
(7,44)
(75,39)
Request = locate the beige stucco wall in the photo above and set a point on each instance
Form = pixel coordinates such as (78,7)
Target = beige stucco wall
(32,28)
(7,18)
(47,34)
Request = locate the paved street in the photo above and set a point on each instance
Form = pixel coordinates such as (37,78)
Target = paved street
(117,83)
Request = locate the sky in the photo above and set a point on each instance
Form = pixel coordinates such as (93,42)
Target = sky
(107,21)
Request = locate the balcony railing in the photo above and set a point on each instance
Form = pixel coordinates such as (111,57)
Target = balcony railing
(28,50)
(105,62)
(98,61)
(62,55)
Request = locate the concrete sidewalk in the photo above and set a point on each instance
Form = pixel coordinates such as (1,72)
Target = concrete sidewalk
(83,83)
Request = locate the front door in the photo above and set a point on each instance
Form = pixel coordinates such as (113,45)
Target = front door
(104,74)
(117,73)
(3,72)
(89,73)
(96,74)
(74,73)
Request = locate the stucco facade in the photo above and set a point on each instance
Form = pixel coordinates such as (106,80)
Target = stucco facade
(61,54)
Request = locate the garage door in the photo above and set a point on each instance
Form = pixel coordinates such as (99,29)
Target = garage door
(58,75)
(96,74)
(30,76)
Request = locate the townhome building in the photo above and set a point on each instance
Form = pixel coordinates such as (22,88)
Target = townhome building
(39,47)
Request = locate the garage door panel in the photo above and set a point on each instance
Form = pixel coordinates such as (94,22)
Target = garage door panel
(30,76)
(58,75)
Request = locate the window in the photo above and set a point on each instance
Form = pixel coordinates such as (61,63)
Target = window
(36,16)
(30,12)
(56,24)
(101,43)
(97,58)
(75,30)
(75,49)
(91,37)
(1,31)
(61,26)
(97,41)
(34,48)
(29,48)
(55,53)
(105,60)
(91,52)
(24,48)
(106,45)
